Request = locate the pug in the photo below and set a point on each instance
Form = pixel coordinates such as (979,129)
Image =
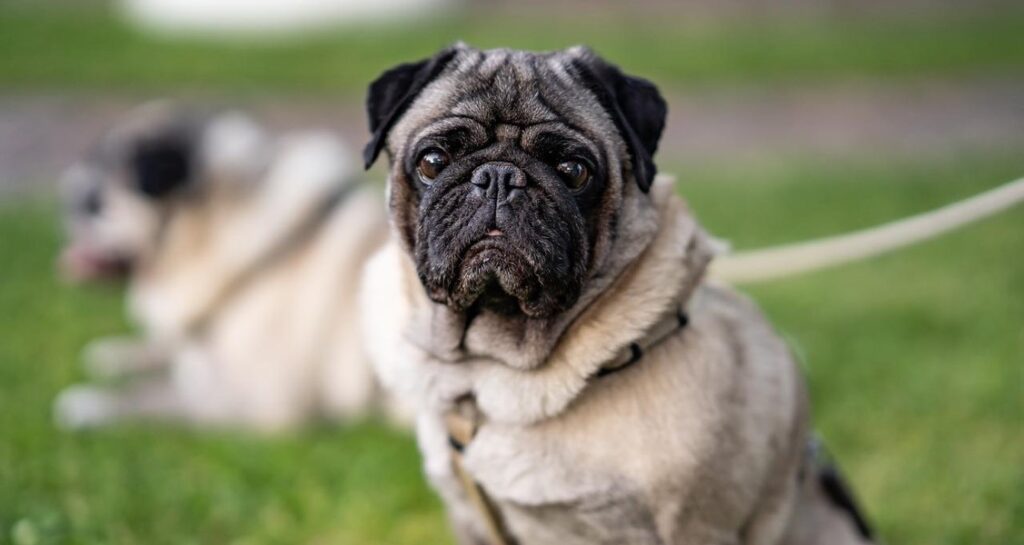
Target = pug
(542,302)
(242,252)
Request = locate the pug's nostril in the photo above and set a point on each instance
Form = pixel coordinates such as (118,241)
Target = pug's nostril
(481,178)
(506,175)
(515,178)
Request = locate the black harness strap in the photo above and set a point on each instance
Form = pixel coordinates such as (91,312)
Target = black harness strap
(840,494)
(630,355)
(824,468)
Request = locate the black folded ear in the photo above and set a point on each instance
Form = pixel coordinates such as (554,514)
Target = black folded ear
(392,93)
(635,106)
(162,164)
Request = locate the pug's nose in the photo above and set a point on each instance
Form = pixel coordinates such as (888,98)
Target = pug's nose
(498,178)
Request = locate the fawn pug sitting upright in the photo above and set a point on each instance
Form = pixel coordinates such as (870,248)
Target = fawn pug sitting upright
(542,303)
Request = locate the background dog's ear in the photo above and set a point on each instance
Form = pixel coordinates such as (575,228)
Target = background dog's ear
(635,106)
(162,164)
(392,93)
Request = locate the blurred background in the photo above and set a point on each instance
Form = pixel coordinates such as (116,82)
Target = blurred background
(788,119)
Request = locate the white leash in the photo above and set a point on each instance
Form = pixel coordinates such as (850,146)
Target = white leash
(790,259)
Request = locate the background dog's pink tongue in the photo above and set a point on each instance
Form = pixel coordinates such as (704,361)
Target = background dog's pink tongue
(77,263)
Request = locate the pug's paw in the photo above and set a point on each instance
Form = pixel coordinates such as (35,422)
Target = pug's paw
(116,357)
(81,407)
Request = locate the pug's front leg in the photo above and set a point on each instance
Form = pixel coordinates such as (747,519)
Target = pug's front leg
(121,356)
(84,406)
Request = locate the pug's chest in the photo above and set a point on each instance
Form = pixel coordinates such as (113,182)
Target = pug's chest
(614,520)
(547,493)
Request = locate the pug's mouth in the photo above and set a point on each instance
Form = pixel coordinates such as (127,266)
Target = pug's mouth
(494,275)
(78,263)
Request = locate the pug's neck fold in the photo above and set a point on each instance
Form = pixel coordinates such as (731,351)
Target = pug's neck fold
(523,370)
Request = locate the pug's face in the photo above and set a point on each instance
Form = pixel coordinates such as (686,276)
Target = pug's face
(115,196)
(510,169)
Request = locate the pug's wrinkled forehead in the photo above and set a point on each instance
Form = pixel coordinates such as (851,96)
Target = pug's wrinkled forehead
(509,96)
(571,93)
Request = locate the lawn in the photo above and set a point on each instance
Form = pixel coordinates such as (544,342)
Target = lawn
(91,49)
(915,361)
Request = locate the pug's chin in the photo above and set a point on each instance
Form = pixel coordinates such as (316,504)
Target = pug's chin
(495,278)
(496,299)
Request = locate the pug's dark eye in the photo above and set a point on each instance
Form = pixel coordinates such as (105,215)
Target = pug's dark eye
(92,202)
(432,162)
(575,174)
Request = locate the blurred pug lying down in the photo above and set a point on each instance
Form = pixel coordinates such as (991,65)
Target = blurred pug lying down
(242,254)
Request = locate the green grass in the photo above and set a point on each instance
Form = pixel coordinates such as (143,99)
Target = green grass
(916,363)
(91,49)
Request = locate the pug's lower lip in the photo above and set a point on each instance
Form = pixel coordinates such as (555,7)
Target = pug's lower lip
(495,233)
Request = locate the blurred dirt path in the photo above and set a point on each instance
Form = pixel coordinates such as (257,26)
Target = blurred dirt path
(40,134)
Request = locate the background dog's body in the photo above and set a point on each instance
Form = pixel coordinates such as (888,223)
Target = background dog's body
(245,285)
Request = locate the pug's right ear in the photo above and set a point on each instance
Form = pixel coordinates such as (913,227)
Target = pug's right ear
(162,164)
(392,93)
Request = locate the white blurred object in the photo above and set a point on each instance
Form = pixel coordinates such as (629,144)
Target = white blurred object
(269,16)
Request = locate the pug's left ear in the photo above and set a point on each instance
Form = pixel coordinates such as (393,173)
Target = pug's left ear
(162,164)
(391,94)
(635,106)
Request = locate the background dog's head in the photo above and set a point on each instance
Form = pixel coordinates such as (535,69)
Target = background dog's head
(511,170)
(117,196)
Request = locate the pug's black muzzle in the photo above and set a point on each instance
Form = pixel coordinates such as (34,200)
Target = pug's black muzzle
(503,236)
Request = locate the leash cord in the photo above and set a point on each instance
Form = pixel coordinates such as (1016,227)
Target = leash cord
(791,259)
